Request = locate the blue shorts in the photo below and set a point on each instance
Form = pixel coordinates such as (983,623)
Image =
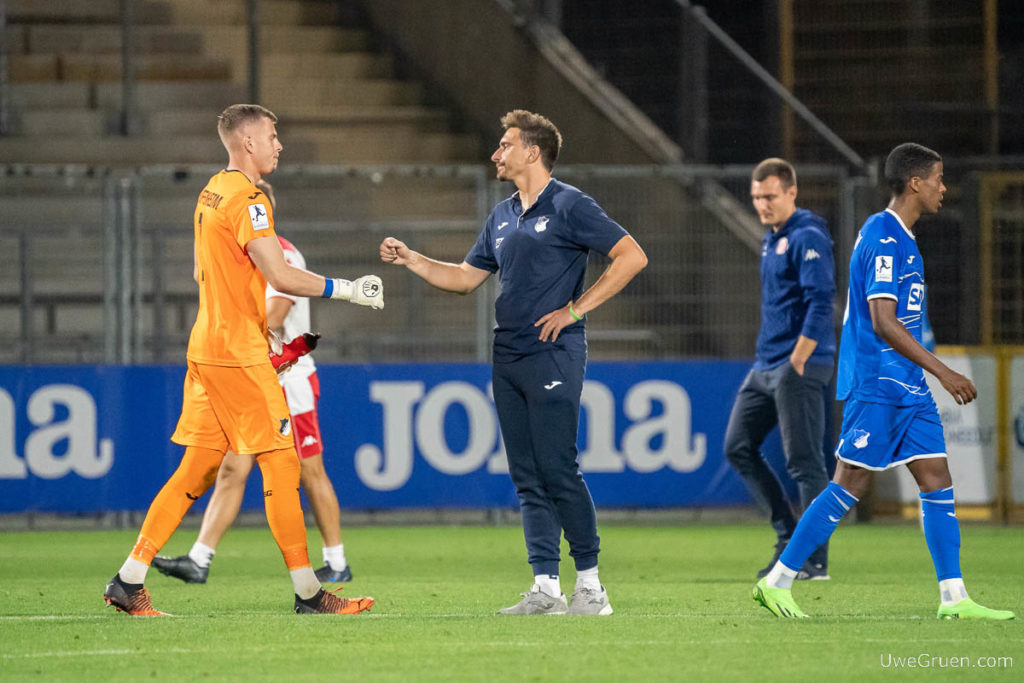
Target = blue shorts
(877,436)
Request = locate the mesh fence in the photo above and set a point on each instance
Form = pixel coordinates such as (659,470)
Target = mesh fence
(337,219)
(97,267)
(51,266)
(1002,234)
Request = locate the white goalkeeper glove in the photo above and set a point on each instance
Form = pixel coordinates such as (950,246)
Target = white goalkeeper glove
(365,291)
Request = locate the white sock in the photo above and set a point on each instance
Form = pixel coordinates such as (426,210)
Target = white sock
(305,583)
(587,578)
(334,557)
(952,591)
(781,576)
(133,571)
(548,584)
(201,554)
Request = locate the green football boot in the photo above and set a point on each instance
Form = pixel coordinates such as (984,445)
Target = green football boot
(778,601)
(968,609)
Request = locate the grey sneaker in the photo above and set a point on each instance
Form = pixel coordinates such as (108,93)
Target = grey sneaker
(591,602)
(537,602)
(813,572)
(182,567)
(326,574)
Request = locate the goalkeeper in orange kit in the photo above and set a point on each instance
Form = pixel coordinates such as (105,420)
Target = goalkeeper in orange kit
(232,399)
(287,317)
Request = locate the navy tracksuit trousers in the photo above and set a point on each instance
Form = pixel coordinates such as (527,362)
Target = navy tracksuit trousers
(538,402)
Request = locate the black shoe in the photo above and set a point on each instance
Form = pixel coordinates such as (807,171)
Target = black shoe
(131,599)
(812,571)
(327,575)
(779,547)
(183,567)
(326,602)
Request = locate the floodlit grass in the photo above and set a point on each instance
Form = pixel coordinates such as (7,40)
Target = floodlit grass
(681,597)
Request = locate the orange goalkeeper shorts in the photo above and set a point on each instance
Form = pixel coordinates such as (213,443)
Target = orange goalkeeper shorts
(238,408)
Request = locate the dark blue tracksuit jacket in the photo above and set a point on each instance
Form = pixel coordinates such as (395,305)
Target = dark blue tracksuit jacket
(797,291)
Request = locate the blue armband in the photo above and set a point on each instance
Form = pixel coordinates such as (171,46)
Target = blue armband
(328,288)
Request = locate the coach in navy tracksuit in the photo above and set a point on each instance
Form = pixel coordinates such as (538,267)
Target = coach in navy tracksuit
(795,357)
(537,241)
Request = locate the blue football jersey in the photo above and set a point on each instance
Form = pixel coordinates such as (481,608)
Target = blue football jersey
(885,264)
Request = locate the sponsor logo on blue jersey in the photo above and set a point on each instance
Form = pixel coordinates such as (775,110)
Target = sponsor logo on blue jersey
(885,264)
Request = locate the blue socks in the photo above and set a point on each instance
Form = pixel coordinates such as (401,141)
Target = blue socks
(819,521)
(942,532)
(817,524)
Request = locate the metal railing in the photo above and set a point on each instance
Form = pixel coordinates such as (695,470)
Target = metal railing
(696,13)
(130,117)
(5,97)
(1001,200)
(129,98)
(97,266)
(688,102)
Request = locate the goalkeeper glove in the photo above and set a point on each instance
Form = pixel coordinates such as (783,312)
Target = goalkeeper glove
(366,291)
(294,350)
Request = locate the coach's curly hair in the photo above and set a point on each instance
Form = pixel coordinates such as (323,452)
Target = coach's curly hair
(535,129)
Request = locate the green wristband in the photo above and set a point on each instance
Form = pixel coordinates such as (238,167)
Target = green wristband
(573,313)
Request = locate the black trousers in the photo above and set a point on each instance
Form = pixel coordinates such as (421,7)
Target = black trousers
(797,405)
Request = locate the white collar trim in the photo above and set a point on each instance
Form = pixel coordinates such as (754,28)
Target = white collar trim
(900,221)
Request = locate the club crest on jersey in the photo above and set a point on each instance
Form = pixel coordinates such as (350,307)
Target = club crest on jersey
(286,426)
(497,242)
(542,224)
(258,216)
(782,245)
(860,438)
(883,269)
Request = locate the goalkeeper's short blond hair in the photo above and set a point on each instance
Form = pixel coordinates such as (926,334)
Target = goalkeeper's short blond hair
(237,114)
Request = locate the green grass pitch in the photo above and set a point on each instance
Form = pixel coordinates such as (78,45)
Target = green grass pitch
(681,596)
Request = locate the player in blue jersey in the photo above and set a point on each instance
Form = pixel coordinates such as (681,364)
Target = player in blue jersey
(795,358)
(538,241)
(890,416)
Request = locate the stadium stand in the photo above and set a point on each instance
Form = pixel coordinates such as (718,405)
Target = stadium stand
(850,66)
(341,102)
(338,99)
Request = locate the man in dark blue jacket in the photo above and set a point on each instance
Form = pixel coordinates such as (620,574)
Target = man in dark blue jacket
(795,357)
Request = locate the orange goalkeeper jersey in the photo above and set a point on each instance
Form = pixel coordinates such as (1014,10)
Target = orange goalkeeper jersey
(231,325)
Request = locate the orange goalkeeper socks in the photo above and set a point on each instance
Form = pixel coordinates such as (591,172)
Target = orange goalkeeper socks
(280,470)
(195,474)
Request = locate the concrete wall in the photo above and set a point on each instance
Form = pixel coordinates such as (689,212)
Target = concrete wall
(484,65)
